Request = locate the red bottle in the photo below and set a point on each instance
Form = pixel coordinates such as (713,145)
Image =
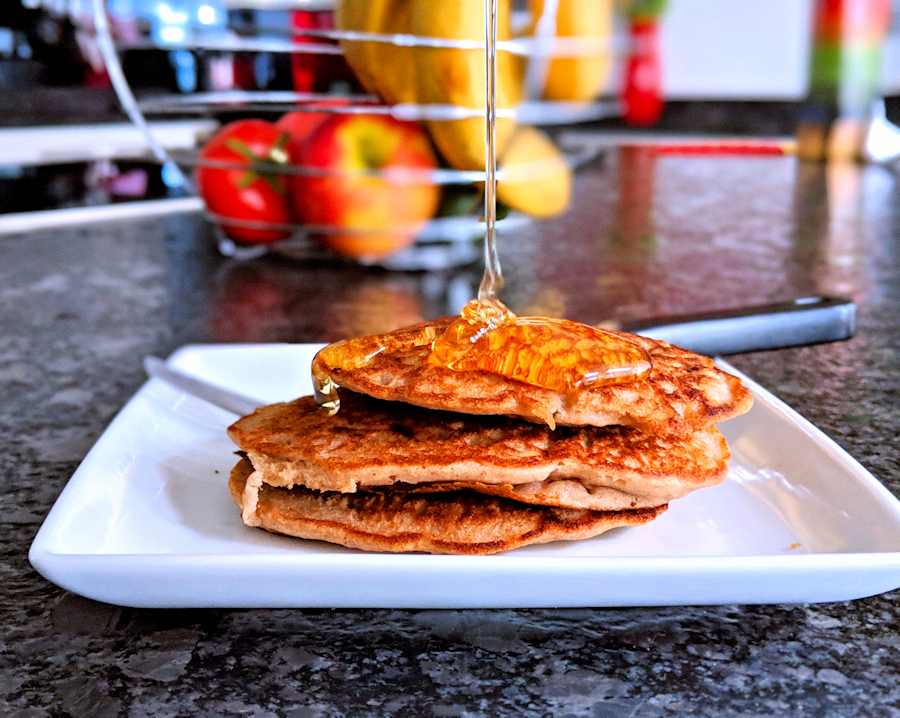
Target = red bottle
(642,95)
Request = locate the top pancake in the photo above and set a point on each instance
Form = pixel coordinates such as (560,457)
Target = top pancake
(683,391)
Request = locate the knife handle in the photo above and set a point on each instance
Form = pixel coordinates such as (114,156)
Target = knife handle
(807,320)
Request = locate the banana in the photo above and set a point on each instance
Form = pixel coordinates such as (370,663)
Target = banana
(450,76)
(581,78)
(360,16)
(395,64)
(383,69)
(535,177)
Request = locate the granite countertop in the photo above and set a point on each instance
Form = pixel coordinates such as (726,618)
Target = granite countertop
(648,236)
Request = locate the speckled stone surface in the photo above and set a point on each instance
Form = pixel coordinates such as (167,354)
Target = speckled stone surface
(649,236)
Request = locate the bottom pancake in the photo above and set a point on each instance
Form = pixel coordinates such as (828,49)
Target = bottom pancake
(456,522)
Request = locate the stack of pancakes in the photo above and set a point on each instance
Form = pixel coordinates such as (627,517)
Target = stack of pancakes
(424,458)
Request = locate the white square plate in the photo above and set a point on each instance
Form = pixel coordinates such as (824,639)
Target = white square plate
(147,520)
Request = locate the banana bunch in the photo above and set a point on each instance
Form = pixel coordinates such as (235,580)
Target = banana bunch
(535,177)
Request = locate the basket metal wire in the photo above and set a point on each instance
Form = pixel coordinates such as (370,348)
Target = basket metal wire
(444,241)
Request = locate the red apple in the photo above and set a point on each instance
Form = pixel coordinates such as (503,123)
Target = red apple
(301,124)
(374,191)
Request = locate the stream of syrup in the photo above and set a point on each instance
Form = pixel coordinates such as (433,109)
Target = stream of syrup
(556,354)
(492,279)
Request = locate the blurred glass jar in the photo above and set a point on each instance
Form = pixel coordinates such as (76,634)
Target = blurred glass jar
(845,70)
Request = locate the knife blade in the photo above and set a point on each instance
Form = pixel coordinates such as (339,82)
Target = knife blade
(799,322)
(219,396)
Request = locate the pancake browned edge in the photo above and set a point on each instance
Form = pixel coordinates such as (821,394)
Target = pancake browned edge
(682,393)
(456,522)
(371,443)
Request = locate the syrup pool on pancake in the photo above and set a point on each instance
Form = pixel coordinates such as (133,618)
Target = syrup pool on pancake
(555,354)
(355,353)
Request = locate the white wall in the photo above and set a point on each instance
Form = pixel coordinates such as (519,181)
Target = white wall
(723,49)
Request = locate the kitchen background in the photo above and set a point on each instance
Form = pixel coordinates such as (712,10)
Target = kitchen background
(731,66)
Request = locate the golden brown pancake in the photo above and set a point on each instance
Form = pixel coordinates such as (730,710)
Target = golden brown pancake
(371,443)
(683,391)
(458,522)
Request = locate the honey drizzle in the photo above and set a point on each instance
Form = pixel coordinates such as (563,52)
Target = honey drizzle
(555,354)
(356,353)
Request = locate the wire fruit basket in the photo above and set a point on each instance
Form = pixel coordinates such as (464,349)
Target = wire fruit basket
(355,127)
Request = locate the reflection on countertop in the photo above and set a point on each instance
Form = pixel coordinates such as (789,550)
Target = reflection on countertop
(648,235)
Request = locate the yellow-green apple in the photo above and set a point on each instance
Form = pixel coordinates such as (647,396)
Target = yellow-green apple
(369,183)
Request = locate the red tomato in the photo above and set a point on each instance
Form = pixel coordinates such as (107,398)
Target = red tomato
(252,192)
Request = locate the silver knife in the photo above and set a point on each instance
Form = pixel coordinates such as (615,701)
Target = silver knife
(807,320)
(239,404)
